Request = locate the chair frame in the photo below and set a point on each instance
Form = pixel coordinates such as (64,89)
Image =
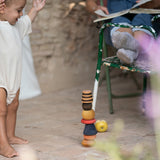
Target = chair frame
(106,61)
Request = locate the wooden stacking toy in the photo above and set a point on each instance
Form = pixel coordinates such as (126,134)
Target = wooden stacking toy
(88,118)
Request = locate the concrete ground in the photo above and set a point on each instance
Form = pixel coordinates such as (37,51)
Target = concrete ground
(52,122)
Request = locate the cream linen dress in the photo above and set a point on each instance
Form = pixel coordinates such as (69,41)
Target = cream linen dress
(11,37)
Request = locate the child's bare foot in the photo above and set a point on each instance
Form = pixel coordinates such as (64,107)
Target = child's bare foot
(17,140)
(8,151)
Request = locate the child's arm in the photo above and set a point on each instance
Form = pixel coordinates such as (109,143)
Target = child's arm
(36,7)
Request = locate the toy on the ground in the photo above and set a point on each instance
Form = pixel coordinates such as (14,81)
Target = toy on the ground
(88,114)
(101,125)
(88,118)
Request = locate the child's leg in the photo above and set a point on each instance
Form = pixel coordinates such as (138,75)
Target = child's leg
(124,40)
(11,122)
(138,34)
(126,56)
(5,149)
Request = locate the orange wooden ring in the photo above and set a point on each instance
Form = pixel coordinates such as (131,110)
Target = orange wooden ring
(87,92)
(87,96)
(88,143)
(92,137)
(87,99)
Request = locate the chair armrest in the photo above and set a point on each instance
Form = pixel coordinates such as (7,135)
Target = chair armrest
(156,23)
(129,26)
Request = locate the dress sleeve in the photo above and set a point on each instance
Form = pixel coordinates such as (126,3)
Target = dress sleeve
(24,26)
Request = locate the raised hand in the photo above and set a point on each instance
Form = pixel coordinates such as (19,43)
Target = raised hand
(38,4)
(36,7)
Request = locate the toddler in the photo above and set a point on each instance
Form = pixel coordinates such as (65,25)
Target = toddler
(13,28)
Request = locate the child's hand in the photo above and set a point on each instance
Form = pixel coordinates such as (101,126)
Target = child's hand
(36,7)
(2,6)
(38,4)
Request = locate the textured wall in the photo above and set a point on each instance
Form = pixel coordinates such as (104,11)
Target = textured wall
(64,44)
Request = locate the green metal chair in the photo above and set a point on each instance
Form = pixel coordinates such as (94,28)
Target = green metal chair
(115,62)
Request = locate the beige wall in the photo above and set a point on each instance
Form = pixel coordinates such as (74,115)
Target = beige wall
(64,45)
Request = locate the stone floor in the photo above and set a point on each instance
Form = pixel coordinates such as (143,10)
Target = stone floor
(51,123)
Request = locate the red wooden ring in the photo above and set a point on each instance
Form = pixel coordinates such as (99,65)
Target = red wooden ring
(88,121)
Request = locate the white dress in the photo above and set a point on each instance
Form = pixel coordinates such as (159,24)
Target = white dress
(29,83)
(11,54)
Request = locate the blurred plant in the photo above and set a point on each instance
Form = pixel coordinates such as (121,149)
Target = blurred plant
(114,151)
(111,146)
(153,111)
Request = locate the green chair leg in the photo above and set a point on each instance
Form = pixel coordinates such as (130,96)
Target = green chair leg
(144,91)
(109,90)
(108,81)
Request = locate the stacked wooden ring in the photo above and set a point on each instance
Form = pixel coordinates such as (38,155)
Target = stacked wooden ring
(88,118)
